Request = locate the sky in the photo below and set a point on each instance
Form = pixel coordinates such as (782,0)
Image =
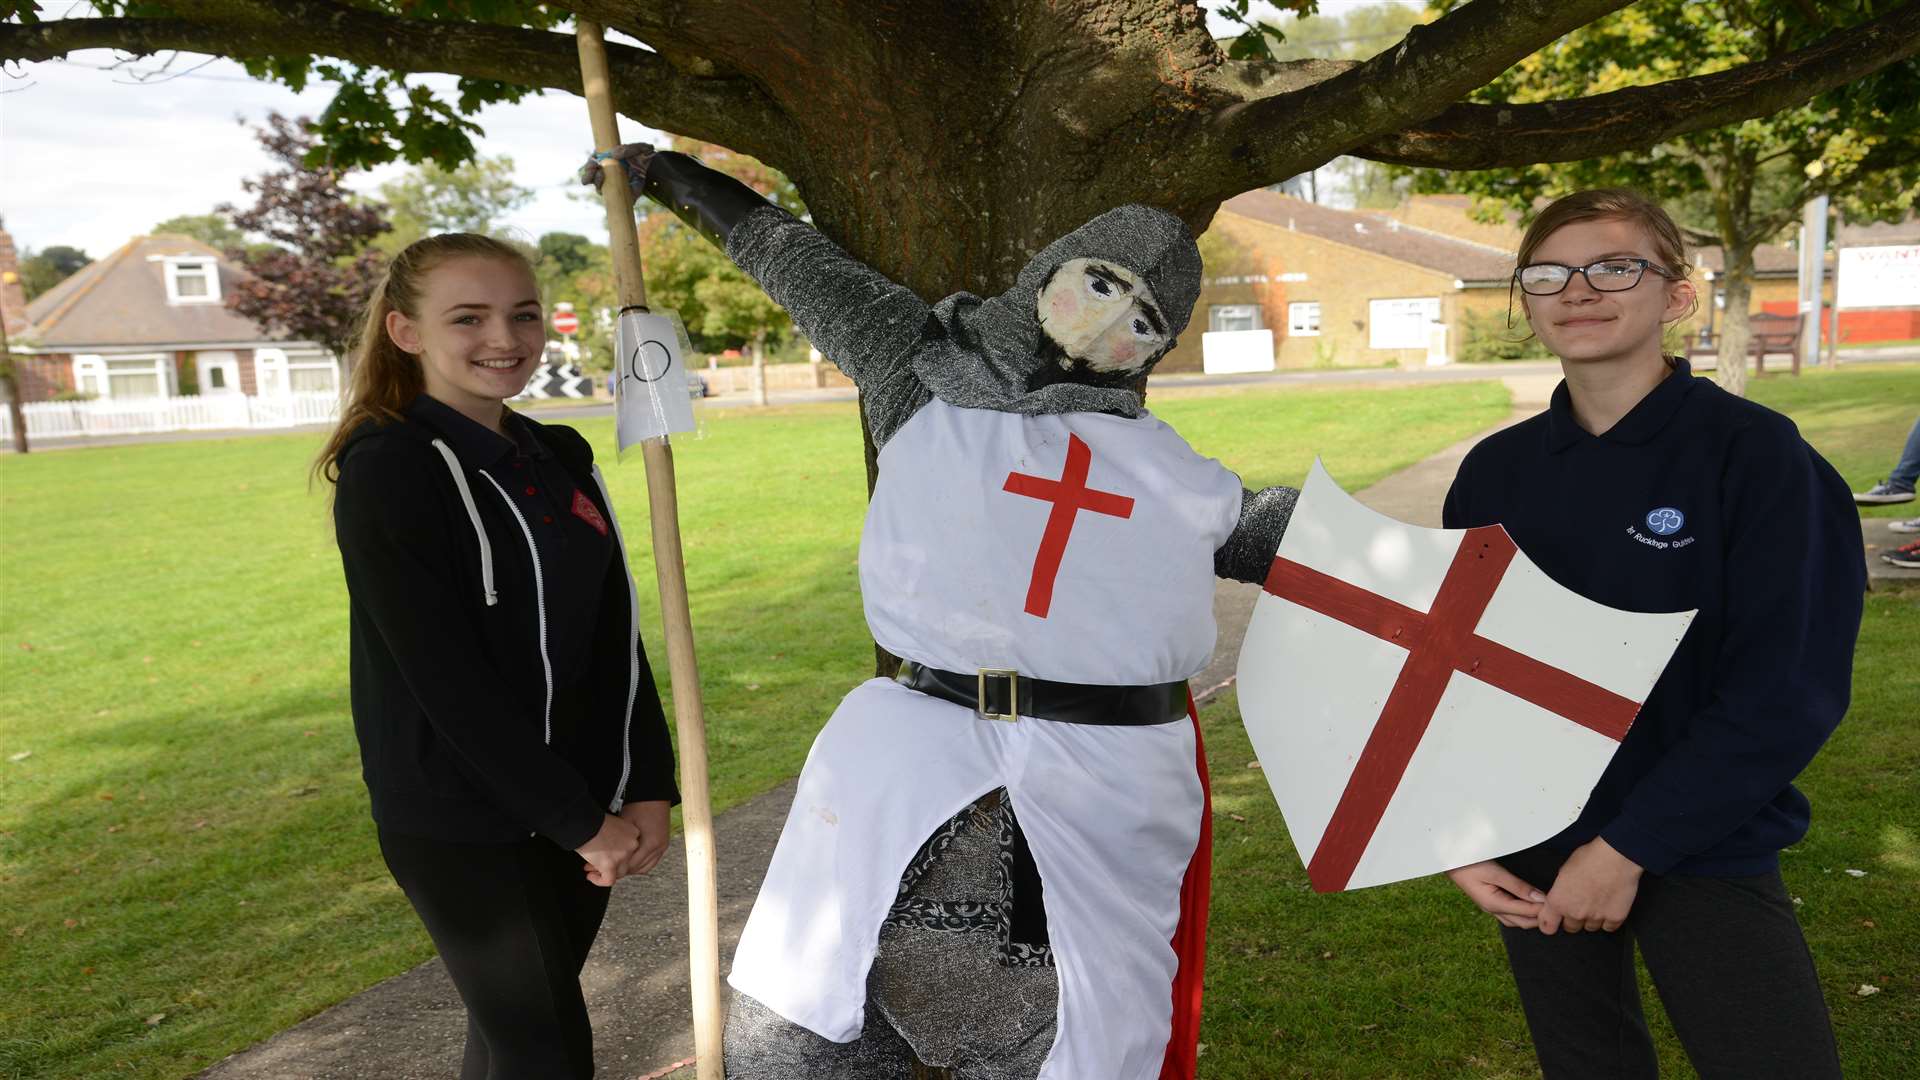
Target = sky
(91,157)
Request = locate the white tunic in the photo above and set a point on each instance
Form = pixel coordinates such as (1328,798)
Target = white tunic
(975,514)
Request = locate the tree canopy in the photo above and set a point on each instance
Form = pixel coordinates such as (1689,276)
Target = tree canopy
(1733,187)
(312,283)
(42,270)
(944,140)
(473,196)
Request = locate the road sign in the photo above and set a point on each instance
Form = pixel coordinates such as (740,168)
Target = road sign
(565,322)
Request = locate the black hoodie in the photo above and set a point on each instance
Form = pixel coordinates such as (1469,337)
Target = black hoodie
(463,735)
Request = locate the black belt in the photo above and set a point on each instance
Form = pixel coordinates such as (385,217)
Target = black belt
(1000,694)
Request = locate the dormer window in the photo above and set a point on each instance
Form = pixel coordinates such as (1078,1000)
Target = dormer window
(192,281)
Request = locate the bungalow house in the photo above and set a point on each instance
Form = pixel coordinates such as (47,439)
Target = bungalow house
(150,321)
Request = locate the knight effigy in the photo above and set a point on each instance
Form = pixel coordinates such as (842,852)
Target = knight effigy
(996,862)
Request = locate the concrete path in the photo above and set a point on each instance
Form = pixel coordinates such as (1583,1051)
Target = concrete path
(410,1027)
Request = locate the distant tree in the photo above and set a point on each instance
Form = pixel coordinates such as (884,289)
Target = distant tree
(1732,187)
(211,229)
(569,253)
(314,286)
(471,197)
(49,267)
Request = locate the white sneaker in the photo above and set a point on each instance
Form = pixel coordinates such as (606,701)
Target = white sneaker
(1911,525)
(1883,493)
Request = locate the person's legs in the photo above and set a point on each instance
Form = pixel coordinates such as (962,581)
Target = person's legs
(1899,484)
(1907,472)
(1578,992)
(513,923)
(1734,973)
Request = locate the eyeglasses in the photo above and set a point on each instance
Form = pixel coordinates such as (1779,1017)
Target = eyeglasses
(1607,275)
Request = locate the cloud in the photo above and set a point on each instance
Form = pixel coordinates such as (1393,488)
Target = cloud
(91,158)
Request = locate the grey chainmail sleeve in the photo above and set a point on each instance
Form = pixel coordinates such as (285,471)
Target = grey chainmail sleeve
(1248,553)
(867,324)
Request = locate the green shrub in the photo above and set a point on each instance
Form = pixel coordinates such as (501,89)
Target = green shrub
(1485,339)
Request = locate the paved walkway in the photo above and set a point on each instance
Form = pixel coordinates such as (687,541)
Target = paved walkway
(411,1026)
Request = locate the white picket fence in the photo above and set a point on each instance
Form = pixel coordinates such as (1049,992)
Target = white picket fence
(141,416)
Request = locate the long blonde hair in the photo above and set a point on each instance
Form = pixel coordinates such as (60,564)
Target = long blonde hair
(385,378)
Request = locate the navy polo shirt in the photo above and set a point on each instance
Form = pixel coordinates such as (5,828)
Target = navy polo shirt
(574,539)
(1695,499)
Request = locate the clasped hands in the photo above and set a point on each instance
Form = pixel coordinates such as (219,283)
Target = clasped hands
(630,842)
(1594,891)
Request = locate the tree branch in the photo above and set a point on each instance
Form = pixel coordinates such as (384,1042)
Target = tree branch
(1501,136)
(730,111)
(1276,136)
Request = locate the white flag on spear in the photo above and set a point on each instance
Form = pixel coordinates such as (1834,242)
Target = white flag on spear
(650,384)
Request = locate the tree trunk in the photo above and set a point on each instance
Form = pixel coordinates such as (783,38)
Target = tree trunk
(760,369)
(1735,333)
(10,385)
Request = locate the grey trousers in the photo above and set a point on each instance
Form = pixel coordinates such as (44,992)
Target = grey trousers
(948,985)
(1726,956)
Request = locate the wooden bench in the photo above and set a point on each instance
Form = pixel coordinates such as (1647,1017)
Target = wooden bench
(1771,335)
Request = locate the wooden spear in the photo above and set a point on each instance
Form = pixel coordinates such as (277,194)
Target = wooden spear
(696,811)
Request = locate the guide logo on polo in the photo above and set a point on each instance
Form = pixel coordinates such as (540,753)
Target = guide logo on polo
(1665,520)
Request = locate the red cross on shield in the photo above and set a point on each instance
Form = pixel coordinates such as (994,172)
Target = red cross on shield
(1421,699)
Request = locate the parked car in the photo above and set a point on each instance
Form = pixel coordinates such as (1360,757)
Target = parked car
(697,386)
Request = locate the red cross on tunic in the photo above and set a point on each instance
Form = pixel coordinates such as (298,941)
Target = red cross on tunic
(1438,643)
(1069,495)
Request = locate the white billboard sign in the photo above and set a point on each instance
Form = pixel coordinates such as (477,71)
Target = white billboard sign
(1878,277)
(1232,352)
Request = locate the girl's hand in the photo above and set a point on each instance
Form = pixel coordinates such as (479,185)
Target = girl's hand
(1500,894)
(652,822)
(1594,891)
(611,847)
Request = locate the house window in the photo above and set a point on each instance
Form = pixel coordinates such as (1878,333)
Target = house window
(122,377)
(1233,317)
(312,373)
(1303,320)
(193,281)
(216,378)
(1401,324)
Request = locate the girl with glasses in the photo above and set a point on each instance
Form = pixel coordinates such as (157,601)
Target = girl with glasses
(1647,489)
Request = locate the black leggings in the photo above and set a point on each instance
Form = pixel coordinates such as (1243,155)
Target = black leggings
(1726,956)
(513,922)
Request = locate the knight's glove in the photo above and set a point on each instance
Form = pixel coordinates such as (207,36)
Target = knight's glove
(633,156)
(711,202)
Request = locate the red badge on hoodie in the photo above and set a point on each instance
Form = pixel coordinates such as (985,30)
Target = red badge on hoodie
(584,509)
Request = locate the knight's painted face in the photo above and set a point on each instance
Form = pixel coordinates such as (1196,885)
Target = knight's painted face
(1101,315)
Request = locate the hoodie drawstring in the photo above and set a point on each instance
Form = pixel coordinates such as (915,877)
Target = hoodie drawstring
(473,515)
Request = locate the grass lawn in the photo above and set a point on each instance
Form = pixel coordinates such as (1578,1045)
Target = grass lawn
(1857,417)
(186,864)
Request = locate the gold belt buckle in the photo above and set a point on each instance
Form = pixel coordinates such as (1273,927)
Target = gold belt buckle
(1012,715)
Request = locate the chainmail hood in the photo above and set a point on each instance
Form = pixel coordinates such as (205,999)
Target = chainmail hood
(980,354)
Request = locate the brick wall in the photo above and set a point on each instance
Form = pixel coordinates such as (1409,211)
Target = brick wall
(42,377)
(1342,279)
